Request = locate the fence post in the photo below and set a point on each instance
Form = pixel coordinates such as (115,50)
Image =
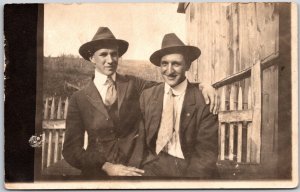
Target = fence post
(46,109)
(66,108)
(62,141)
(52,108)
(58,115)
(43,148)
(222,126)
(240,126)
(249,127)
(256,103)
(49,148)
(231,125)
(56,146)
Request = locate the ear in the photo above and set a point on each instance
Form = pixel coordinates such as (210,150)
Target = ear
(92,59)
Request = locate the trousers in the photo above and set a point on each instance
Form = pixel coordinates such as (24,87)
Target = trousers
(165,165)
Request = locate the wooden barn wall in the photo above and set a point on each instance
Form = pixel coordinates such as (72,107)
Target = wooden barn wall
(232,36)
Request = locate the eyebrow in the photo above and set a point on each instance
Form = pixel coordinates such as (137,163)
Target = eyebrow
(172,62)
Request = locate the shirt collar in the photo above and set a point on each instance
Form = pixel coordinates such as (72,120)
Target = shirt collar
(179,89)
(101,78)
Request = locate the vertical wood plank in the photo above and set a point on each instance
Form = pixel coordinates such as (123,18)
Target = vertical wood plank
(244,46)
(275,113)
(52,108)
(268,24)
(249,127)
(49,152)
(223,43)
(43,149)
(222,127)
(201,42)
(256,103)
(194,40)
(86,139)
(46,109)
(188,37)
(231,125)
(240,127)
(56,146)
(214,54)
(229,17)
(209,40)
(193,27)
(66,108)
(58,115)
(62,143)
(253,33)
(235,37)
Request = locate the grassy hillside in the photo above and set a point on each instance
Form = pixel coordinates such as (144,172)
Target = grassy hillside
(60,72)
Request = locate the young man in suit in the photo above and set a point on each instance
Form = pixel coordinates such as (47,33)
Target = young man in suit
(181,135)
(107,109)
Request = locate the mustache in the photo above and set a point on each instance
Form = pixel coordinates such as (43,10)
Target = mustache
(171,75)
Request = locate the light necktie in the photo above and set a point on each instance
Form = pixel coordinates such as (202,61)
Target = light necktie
(111,94)
(166,130)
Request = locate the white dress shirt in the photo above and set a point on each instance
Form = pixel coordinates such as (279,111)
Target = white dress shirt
(173,147)
(99,82)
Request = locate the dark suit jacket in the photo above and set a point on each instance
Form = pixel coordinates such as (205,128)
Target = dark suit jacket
(106,141)
(198,130)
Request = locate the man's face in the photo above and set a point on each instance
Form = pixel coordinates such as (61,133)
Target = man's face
(173,68)
(106,60)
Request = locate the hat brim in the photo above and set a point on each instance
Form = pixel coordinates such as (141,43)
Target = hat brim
(191,51)
(88,49)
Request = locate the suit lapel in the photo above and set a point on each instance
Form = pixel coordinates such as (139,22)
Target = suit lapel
(95,99)
(122,84)
(188,108)
(155,113)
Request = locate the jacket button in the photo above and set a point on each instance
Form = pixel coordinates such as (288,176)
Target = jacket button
(107,119)
(111,131)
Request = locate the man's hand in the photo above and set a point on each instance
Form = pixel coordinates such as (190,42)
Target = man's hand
(211,97)
(121,170)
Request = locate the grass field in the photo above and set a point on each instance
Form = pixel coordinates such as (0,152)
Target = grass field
(65,70)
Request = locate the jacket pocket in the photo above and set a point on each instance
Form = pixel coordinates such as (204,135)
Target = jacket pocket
(105,135)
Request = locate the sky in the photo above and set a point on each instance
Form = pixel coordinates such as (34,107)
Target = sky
(143,25)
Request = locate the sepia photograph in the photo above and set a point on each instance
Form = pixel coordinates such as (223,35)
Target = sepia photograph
(152,95)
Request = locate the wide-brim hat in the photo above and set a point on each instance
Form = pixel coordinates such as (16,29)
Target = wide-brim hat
(102,37)
(172,44)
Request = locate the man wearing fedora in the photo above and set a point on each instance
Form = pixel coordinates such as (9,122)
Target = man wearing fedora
(181,135)
(108,110)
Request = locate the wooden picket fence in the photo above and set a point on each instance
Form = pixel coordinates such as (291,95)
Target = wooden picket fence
(55,111)
(240,114)
(235,130)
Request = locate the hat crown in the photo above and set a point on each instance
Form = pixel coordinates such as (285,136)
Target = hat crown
(103,33)
(171,40)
